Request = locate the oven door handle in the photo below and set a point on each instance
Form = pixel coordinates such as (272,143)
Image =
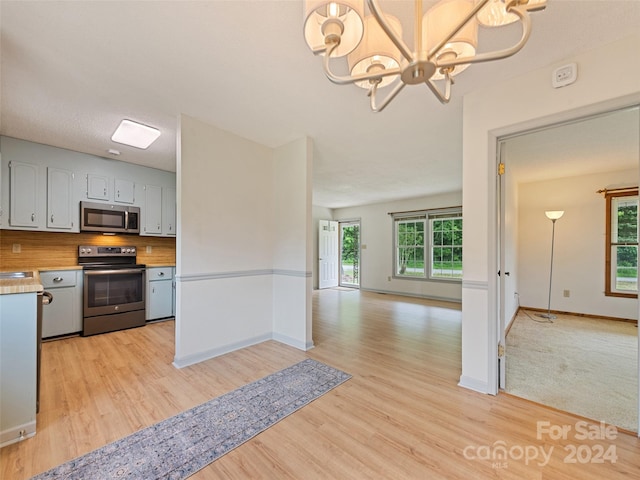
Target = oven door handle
(120,270)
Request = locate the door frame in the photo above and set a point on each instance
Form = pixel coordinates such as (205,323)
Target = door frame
(497,211)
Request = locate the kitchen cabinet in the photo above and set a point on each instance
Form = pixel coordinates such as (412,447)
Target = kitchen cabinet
(23,202)
(60,199)
(159,293)
(124,191)
(63,316)
(152,214)
(27,203)
(42,186)
(97,187)
(169,211)
(18,366)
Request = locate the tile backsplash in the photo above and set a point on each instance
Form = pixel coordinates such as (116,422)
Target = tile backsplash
(33,250)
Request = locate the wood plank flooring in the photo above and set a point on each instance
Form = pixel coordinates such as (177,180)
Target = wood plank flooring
(401,416)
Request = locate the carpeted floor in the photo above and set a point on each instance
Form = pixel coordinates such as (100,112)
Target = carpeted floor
(581,365)
(180,446)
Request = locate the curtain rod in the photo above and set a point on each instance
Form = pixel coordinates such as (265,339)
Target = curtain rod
(623,189)
(424,210)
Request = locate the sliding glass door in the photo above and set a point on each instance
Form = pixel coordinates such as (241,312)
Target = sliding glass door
(350,254)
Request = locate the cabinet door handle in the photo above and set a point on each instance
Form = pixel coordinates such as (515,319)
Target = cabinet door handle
(161,274)
(57,279)
(33,217)
(52,218)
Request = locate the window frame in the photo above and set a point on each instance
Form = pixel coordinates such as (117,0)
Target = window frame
(426,217)
(609,196)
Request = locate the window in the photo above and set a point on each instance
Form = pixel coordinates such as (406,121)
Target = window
(621,262)
(428,244)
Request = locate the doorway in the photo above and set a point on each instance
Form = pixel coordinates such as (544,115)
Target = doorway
(350,254)
(562,167)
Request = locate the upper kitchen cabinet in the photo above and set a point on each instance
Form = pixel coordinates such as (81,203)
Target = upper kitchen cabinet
(61,213)
(124,191)
(28,203)
(169,211)
(97,187)
(152,212)
(41,188)
(159,211)
(23,191)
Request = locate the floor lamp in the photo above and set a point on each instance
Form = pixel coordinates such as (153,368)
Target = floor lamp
(552,215)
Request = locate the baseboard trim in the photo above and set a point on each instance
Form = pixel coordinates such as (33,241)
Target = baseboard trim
(585,315)
(216,352)
(414,295)
(473,384)
(292,342)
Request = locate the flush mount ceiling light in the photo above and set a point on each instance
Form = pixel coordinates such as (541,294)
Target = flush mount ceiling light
(135,134)
(445,42)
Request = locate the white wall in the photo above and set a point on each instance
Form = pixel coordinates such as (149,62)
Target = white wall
(228,191)
(376,237)
(292,255)
(579,250)
(517,105)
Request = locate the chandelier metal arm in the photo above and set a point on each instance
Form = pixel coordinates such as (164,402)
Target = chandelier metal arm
(392,94)
(477,7)
(345,80)
(443,97)
(377,13)
(499,54)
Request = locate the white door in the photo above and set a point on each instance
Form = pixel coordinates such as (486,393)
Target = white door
(328,257)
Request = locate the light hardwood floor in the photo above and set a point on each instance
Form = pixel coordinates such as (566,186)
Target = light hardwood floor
(401,416)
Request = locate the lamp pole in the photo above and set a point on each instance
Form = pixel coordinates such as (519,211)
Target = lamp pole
(552,215)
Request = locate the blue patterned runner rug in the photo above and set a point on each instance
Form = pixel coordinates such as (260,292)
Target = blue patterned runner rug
(180,446)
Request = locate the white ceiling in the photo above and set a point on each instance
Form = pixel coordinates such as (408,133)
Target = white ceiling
(70,71)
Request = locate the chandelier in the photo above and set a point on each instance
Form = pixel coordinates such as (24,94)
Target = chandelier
(445,42)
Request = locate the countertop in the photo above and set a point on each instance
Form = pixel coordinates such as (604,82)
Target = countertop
(21,285)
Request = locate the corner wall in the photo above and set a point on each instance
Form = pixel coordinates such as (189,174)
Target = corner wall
(233,206)
(292,255)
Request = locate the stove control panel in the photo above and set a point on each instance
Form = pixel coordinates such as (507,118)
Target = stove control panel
(104,251)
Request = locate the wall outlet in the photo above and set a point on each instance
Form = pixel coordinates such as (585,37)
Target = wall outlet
(149,249)
(17,248)
(566,293)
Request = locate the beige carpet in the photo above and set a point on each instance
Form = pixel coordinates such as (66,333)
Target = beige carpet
(581,365)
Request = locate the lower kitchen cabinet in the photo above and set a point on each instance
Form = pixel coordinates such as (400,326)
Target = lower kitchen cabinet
(18,367)
(63,316)
(159,293)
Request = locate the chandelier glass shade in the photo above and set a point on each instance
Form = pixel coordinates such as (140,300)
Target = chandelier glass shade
(445,42)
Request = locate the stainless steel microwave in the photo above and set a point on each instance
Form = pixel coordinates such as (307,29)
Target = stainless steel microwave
(106,218)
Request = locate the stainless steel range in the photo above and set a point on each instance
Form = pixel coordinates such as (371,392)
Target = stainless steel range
(114,289)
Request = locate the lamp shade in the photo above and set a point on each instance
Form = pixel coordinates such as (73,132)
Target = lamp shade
(322,16)
(494,13)
(376,51)
(439,22)
(554,214)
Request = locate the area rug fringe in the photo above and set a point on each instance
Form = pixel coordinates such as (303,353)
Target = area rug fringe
(178,447)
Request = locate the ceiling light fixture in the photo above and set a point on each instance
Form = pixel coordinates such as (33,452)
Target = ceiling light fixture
(445,42)
(135,134)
